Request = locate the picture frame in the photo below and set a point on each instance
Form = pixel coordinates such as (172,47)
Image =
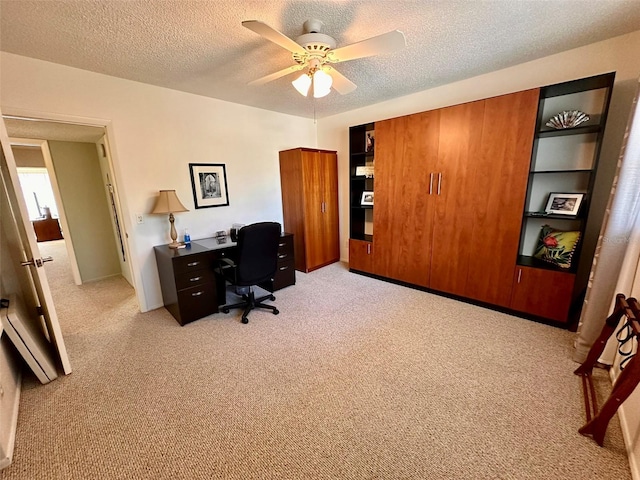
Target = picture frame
(209,184)
(367,198)
(369,141)
(564,203)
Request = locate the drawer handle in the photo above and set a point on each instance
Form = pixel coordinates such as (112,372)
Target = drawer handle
(193,264)
(283,268)
(197,294)
(283,255)
(281,244)
(195,279)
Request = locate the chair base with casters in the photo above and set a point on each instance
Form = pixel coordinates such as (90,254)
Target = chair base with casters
(249,303)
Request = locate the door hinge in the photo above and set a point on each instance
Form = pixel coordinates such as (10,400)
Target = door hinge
(39,310)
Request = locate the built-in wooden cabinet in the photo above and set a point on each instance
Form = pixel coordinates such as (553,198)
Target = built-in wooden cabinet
(361,255)
(309,182)
(542,292)
(562,161)
(451,186)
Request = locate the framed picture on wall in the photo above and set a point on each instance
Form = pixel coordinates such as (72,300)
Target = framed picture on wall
(367,198)
(209,184)
(564,203)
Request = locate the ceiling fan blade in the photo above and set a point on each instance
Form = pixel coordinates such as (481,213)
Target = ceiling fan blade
(276,75)
(273,35)
(341,83)
(385,43)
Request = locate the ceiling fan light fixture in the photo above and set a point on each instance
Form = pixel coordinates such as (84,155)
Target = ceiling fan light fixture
(302,84)
(322,82)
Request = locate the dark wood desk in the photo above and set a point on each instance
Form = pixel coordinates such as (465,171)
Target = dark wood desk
(189,286)
(47,229)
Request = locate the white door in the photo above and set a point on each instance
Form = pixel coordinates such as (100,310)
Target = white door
(32,274)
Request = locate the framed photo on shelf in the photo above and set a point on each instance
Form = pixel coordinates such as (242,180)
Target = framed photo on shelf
(564,204)
(365,171)
(369,141)
(367,198)
(209,184)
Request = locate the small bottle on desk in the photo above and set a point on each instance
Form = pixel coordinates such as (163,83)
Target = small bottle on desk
(187,237)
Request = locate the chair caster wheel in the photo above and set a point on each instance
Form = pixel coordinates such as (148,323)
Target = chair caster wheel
(245,320)
(225,310)
(272,298)
(276,312)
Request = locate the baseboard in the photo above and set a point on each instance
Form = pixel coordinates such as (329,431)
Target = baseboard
(634,458)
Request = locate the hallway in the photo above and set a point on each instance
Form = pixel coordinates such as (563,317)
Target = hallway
(83,307)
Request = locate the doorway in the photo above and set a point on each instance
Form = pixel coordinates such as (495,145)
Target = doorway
(78,162)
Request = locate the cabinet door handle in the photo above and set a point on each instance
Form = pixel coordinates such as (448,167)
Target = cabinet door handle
(195,279)
(430,183)
(519,274)
(439,182)
(193,264)
(368,249)
(197,294)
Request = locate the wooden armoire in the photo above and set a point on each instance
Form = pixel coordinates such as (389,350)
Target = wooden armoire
(309,182)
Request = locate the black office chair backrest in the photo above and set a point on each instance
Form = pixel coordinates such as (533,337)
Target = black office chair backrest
(257,258)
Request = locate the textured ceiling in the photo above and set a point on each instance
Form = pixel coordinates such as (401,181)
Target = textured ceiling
(201,46)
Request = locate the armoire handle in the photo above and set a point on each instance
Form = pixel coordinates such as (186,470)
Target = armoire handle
(430,183)
(439,182)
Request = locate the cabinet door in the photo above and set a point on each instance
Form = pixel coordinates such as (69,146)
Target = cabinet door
(406,151)
(313,218)
(541,292)
(361,255)
(496,195)
(456,195)
(330,237)
(320,178)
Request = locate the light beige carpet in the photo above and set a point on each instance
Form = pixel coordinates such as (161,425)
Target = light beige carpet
(355,379)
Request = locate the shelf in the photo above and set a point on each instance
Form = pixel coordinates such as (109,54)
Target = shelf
(361,177)
(569,131)
(362,207)
(552,216)
(584,170)
(527,261)
(362,154)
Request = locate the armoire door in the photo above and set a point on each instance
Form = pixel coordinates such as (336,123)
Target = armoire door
(455,193)
(498,193)
(406,151)
(330,237)
(320,181)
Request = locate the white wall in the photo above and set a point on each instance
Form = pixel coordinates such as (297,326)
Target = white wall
(154,133)
(87,212)
(621,54)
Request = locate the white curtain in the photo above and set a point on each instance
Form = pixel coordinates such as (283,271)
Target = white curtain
(616,262)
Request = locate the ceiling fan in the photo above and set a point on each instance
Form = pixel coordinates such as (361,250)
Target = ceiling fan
(315,53)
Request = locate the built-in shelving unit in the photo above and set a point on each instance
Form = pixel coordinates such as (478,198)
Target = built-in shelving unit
(564,160)
(361,166)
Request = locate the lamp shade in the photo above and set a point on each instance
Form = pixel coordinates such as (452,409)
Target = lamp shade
(168,202)
(322,82)
(302,84)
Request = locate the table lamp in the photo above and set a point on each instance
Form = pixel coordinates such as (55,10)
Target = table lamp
(168,202)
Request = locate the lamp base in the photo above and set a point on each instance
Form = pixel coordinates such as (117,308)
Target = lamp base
(174,245)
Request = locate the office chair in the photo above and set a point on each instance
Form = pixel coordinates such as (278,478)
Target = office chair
(255,262)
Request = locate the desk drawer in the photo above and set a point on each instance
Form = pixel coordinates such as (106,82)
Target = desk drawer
(285,274)
(197,302)
(285,247)
(190,263)
(194,278)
